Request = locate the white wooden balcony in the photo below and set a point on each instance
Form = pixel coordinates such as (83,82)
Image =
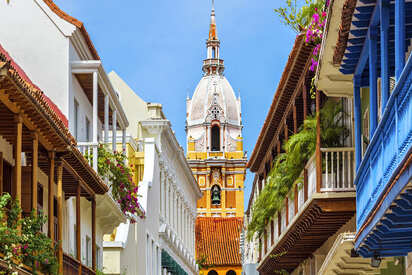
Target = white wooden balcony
(312,211)
(107,112)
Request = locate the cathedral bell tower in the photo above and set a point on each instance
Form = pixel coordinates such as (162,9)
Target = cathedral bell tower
(214,137)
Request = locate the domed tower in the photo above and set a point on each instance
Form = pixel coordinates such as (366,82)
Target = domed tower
(214,137)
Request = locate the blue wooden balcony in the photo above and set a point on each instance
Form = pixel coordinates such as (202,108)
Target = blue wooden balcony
(378,43)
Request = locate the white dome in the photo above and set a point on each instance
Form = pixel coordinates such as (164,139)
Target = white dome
(214,95)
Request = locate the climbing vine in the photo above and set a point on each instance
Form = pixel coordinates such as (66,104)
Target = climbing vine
(28,246)
(288,166)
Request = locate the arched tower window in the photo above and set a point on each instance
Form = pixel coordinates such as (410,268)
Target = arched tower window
(213,52)
(212,272)
(231,272)
(215,138)
(215,196)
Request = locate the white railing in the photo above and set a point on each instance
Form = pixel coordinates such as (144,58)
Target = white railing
(338,173)
(311,168)
(276,229)
(213,62)
(283,219)
(89,151)
(291,205)
(338,169)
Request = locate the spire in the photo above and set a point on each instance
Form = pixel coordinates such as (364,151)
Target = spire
(213,64)
(213,30)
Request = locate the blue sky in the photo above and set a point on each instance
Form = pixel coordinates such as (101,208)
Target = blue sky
(157,47)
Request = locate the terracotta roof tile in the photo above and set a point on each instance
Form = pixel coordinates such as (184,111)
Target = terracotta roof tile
(218,240)
(344,28)
(77,23)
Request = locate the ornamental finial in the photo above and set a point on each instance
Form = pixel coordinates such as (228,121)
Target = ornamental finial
(213,31)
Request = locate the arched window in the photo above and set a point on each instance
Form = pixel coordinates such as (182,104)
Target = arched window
(212,272)
(213,52)
(215,138)
(230,272)
(215,196)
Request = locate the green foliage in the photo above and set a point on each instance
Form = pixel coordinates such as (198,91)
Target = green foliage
(297,15)
(30,246)
(124,190)
(285,173)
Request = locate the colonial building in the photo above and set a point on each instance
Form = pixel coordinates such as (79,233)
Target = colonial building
(321,204)
(163,242)
(250,248)
(215,154)
(316,231)
(67,69)
(370,58)
(41,167)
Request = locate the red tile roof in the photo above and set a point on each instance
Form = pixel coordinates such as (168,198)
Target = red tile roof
(218,240)
(77,23)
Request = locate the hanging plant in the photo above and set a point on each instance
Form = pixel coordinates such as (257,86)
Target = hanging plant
(28,246)
(314,35)
(123,188)
(287,167)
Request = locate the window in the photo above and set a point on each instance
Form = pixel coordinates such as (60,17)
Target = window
(215,196)
(98,260)
(87,129)
(56,221)
(153,251)
(231,272)
(213,52)
(39,197)
(148,254)
(7,177)
(215,138)
(88,251)
(76,118)
(212,272)
(75,241)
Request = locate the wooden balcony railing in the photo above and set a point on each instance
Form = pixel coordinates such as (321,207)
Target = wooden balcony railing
(71,266)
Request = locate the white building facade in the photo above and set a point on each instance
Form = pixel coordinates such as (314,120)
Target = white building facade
(250,248)
(164,241)
(55,51)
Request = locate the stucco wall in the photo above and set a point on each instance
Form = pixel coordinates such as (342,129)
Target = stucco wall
(134,107)
(38,45)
